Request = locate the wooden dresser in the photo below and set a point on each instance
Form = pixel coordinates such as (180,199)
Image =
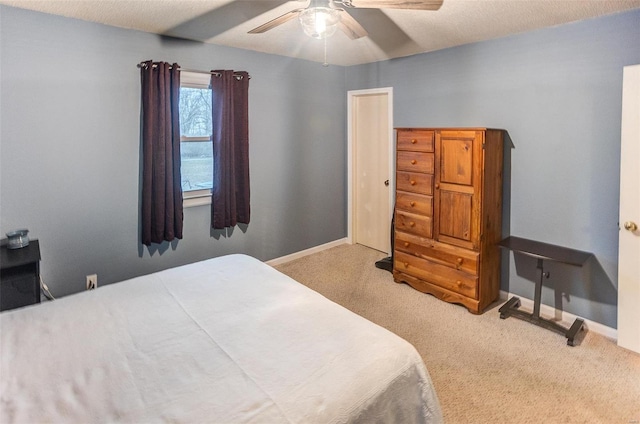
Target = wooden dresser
(448,213)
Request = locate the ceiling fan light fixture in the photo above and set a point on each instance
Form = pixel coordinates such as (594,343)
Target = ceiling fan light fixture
(320,22)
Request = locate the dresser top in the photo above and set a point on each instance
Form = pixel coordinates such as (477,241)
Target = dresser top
(449,129)
(10,258)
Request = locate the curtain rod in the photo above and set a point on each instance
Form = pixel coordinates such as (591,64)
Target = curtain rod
(217,74)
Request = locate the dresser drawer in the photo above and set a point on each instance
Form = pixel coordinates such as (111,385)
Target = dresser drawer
(440,275)
(414,182)
(416,140)
(450,256)
(415,162)
(414,203)
(412,223)
(19,290)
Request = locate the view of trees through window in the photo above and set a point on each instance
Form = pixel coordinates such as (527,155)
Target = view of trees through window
(196,155)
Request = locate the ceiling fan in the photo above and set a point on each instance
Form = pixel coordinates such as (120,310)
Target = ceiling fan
(321,18)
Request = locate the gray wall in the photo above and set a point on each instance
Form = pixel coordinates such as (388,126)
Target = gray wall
(70,145)
(558,93)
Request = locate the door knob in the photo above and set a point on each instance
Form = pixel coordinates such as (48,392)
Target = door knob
(630,226)
(386,183)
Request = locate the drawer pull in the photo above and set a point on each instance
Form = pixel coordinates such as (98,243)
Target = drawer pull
(459,283)
(414,141)
(412,224)
(412,182)
(413,161)
(406,244)
(460,260)
(412,204)
(437,185)
(406,264)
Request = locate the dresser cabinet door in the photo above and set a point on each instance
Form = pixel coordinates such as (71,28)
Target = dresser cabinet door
(458,166)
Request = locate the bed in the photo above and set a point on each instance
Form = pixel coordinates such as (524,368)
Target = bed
(225,340)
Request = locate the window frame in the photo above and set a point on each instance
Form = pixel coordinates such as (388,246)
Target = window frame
(200,80)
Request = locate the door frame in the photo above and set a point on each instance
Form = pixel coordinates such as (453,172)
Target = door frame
(352,95)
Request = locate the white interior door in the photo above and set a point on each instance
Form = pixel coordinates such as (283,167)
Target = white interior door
(371,165)
(629,242)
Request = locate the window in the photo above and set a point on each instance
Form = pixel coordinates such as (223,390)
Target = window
(196,148)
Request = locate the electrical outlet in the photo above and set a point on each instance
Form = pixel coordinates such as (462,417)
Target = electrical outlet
(92,281)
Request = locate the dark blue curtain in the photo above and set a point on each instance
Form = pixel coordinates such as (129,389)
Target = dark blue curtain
(230,109)
(161,209)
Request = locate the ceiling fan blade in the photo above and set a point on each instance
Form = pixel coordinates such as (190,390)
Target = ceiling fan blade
(388,36)
(394,4)
(275,22)
(351,27)
(221,19)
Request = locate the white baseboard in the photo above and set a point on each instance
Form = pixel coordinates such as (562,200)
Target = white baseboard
(545,310)
(566,317)
(303,253)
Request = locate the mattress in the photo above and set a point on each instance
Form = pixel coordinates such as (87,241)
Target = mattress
(225,340)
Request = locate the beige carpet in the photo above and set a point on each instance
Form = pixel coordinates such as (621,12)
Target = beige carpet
(485,370)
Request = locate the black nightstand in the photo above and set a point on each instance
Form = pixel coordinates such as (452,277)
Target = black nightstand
(19,275)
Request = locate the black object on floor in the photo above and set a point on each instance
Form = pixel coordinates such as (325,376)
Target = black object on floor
(387,263)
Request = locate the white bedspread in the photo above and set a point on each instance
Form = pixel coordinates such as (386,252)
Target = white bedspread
(226,340)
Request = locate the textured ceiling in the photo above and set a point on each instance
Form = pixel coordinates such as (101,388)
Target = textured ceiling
(392,33)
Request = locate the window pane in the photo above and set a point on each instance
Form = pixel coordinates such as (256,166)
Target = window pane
(195,121)
(195,112)
(197,165)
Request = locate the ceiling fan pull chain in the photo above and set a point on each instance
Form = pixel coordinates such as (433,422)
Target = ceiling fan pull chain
(325,64)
